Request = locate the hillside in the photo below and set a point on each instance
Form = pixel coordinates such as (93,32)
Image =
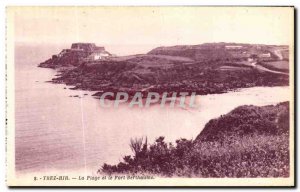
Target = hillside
(249,141)
(247,120)
(223,51)
(195,52)
(130,76)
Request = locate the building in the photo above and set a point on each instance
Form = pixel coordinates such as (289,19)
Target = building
(233,47)
(250,59)
(99,55)
(264,55)
(88,47)
(95,52)
(89,51)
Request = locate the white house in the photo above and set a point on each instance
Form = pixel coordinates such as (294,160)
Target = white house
(264,55)
(233,46)
(99,55)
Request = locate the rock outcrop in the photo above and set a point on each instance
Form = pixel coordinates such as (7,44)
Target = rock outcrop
(76,55)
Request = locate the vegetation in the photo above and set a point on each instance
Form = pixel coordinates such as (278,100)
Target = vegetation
(202,78)
(249,141)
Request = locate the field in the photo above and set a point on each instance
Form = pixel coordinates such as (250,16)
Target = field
(277,65)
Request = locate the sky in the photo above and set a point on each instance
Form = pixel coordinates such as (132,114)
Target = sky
(131,30)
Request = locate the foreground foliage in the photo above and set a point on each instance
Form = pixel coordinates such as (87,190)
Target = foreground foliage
(250,141)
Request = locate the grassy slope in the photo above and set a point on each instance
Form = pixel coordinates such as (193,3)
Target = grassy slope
(277,65)
(137,74)
(249,141)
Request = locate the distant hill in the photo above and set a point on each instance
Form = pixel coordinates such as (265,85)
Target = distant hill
(219,51)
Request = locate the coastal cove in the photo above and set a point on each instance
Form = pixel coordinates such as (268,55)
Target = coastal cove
(82,135)
(45,113)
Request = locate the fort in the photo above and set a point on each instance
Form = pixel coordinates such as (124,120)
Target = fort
(94,52)
(89,51)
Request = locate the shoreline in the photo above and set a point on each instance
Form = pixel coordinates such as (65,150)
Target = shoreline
(159,88)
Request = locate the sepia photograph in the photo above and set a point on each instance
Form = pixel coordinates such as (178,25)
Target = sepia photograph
(150,96)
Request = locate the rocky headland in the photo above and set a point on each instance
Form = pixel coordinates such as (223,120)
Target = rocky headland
(204,69)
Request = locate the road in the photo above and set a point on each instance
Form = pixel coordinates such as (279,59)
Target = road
(259,67)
